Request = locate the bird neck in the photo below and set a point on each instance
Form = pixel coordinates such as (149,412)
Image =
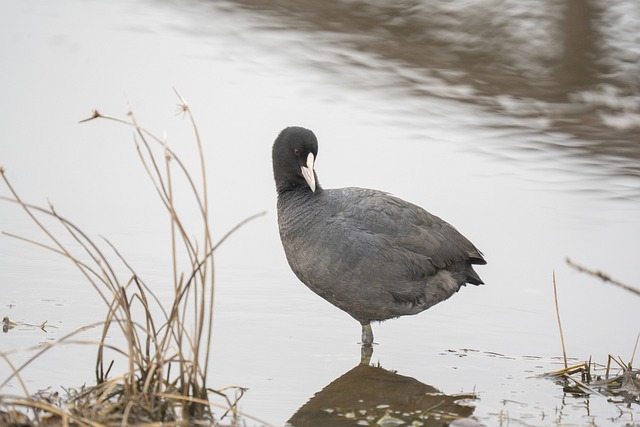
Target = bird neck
(290,188)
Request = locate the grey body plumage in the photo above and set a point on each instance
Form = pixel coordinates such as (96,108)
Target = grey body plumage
(367,252)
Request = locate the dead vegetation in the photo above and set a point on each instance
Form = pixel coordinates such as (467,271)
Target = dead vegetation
(166,346)
(602,276)
(618,382)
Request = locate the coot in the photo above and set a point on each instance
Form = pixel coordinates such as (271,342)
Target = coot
(367,252)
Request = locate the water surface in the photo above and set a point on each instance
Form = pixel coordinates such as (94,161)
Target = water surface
(516,123)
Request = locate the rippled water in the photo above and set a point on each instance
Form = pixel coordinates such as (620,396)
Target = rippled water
(516,122)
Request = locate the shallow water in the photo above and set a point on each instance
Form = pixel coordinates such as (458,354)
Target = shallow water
(477,116)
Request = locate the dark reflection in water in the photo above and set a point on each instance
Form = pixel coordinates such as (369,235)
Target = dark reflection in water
(571,66)
(370,395)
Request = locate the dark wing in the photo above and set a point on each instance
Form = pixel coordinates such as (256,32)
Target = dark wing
(412,230)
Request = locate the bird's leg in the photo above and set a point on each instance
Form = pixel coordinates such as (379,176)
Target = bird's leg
(367,334)
(367,344)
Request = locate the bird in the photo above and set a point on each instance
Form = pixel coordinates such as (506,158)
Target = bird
(367,252)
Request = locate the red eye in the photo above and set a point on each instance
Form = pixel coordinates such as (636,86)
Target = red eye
(296,152)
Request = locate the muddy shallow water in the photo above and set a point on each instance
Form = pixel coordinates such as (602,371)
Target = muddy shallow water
(519,125)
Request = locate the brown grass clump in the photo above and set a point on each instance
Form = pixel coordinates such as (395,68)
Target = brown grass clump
(620,385)
(166,348)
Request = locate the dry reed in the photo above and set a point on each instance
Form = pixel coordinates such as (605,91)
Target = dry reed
(619,387)
(601,275)
(167,348)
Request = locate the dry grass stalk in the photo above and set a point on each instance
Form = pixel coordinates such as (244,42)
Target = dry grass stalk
(622,388)
(167,349)
(603,276)
(555,296)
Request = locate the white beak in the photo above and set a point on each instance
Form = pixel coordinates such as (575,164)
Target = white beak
(307,172)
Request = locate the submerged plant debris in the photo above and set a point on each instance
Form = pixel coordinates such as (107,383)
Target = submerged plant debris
(8,324)
(621,387)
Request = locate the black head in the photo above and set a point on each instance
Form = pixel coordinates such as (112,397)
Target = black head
(294,153)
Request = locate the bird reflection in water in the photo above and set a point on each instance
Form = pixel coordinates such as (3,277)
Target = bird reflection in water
(372,395)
